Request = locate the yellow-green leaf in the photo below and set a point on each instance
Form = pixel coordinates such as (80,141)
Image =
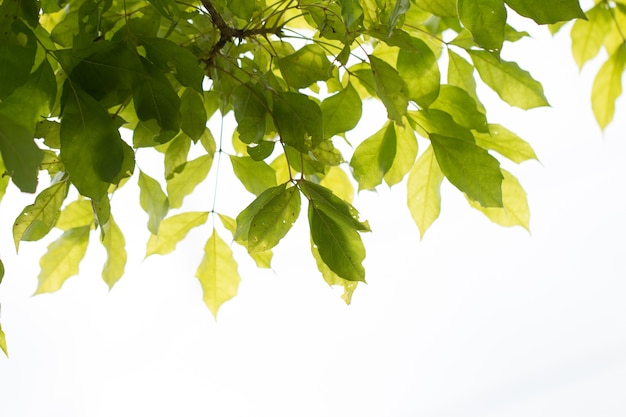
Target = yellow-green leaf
(333,279)
(588,35)
(114,243)
(406,152)
(424,191)
(153,200)
(3,342)
(217,273)
(515,211)
(485,19)
(184,182)
(373,158)
(37,219)
(262,259)
(390,88)
(62,259)
(76,214)
(506,143)
(173,230)
(607,87)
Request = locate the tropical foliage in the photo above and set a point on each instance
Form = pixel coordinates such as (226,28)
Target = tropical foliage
(88,85)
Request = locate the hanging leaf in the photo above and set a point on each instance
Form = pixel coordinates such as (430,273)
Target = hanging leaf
(305,66)
(176,155)
(542,11)
(20,154)
(607,87)
(443,8)
(256,176)
(174,229)
(250,108)
(390,88)
(76,214)
(461,74)
(424,191)
(373,158)
(114,243)
(461,106)
(333,279)
(486,20)
(153,200)
(470,168)
(183,183)
(62,259)
(262,259)
(513,84)
(506,143)
(37,219)
(406,152)
(341,112)
(588,35)
(168,56)
(193,116)
(18,47)
(419,69)
(217,274)
(3,342)
(298,120)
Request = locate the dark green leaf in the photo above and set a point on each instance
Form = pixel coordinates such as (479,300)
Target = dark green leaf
(20,154)
(193,115)
(470,168)
(167,56)
(437,121)
(242,8)
(298,120)
(261,150)
(17,55)
(244,219)
(250,108)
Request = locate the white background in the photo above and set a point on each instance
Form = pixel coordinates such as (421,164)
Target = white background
(474,320)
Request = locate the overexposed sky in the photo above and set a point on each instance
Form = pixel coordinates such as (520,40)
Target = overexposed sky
(474,320)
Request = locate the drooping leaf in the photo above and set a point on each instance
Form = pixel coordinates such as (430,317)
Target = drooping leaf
(274,220)
(588,35)
(193,116)
(513,84)
(78,213)
(399,10)
(174,229)
(337,180)
(20,154)
(18,47)
(424,190)
(542,11)
(607,87)
(406,152)
(341,112)
(166,55)
(37,219)
(514,210)
(176,155)
(262,259)
(256,176)
(305,66)
(373,158)
(4,180)
(217,273)
(260,151)
(102,212)
(153,200)
(486,20)
(419,70)
(461,74)
(462,107)
(92,149)
(298,120)
(470,168)
(506,143)
(437,121)
(3,342)
(62,259)
(390,88)
(333,279)
(114,243)
(250,108)
(183,183)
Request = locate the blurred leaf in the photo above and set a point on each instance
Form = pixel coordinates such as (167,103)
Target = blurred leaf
(62,259)
(305,66)
(444,8)
(588,35)
(18,47)
(423,190)
(607,87)
(153,200)
(114,243)
(542,11)
(173,230)
(3,342)
(76,214)
(390,88)
(217,273)
(193,116)
(20,154)
(486,20)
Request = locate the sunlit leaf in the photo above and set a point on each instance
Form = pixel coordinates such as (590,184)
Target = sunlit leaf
(462,107)
(506,143)
(176,155)
(114,243)
(262,259)
(513,84)
(217,273)
(341,112)
(470,168)
(588,35)
(444,8)
(183,183)
(256,176)
(461,74)
(298,120)
(542,11)
(607,87)
(153,200)
(174,229)
(339,183)
(423,190)
(76,214)
(390,88)
(37,219)
(373,158)
(418,68)
(486,20)
(305,66)
(3,342)
(515,211)
(333,279)
(406,152)
(62,259)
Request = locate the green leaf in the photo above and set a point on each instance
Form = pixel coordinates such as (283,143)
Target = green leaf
(406,152)
(183,183)
(443,8)
(470,168)
(438,121)
(49,131)
(37,219)
(114,244)
(399,10)
(260,151)
(607,87)
(18,47)
(20,154)
(4,180)
(513,84)
(76,214)
(514,210)
(462,107)
(217,273)
(155,98)
(3,342)
(250,108)
(341,112)
(419,70)
(298,120)
(390,88)
(92,149)
(486,20)
(552,11)
(305,66)
(176,155)
(102,211)
(168,56)
(62,259)
(506,143)
(153,200)
(172,230)
(1,271)
(167,8)
(373,158)
(256,176)
(262,259)
(588,35)
(274,220)
(461,74)
(333,279)
(424,191)
(244,219)
(193,116)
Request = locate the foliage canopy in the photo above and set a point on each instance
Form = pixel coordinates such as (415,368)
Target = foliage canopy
(88,84)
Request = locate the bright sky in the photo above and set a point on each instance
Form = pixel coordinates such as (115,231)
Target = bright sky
(474,320)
